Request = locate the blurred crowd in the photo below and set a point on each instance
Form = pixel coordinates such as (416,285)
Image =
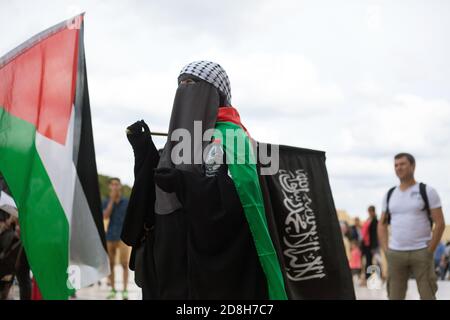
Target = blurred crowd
(365,257)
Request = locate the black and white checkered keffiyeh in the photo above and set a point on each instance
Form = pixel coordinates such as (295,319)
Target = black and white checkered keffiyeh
(212,73)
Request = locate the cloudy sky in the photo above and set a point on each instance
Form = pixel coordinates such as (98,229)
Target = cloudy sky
(361,80)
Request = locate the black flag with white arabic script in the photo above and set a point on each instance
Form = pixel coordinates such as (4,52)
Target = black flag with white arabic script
(304,227)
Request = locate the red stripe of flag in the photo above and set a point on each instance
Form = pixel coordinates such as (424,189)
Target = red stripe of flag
(38,85)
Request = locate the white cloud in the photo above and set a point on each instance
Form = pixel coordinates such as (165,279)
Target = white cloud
(283,83)
(406,122)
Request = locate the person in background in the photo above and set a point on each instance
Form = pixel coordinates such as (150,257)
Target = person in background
(445,263)
(417,222)
(345,238)
(369,241)
(439,258)
(22,267)
(355,259)
(355,230)
(114,209)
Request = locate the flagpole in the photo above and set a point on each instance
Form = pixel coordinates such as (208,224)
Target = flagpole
(161,134)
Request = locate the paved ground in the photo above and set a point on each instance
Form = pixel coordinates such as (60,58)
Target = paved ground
(363,293)
(100,292)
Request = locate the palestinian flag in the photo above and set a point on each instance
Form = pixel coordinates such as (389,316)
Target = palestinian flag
(47,158)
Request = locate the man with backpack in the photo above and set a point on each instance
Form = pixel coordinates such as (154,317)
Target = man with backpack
(414,213)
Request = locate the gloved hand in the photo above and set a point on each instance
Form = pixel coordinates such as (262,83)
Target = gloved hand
(139,135)
(169,180)
(145,152)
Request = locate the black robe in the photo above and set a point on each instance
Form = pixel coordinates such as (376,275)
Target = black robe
(202,251)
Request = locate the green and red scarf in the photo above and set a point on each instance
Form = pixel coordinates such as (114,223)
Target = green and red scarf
(245,178)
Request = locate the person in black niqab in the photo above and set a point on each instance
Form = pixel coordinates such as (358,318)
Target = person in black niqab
(188,231)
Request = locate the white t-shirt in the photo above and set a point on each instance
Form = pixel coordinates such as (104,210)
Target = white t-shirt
(410,226)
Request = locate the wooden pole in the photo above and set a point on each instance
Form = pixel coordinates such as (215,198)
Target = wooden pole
(161,134)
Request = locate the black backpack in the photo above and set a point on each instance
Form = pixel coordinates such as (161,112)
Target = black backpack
(423,194)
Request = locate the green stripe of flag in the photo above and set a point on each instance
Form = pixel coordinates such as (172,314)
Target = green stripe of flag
(245,179)
(46,242)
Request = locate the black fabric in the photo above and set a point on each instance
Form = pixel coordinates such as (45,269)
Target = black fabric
(423,193)
(222,262)
(138,227)
(193,102)
(145,276)
(388,212)
(312,257)
(373,234)
(23,276)
(170,256)
(140,211)
(84,151)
